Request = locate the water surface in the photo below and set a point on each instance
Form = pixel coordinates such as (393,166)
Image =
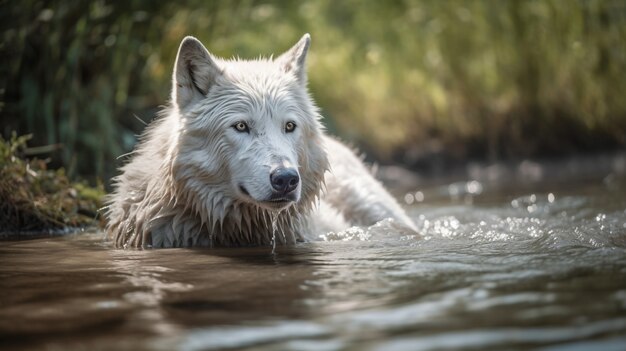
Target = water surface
(541,266)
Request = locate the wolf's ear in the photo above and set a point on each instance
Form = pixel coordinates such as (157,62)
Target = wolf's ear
(294,60)
(195,72)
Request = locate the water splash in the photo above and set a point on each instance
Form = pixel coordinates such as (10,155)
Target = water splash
(381,230)
(533,221)
(350,234)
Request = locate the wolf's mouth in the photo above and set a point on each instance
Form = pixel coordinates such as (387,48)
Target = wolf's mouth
(277,204)
(279,200)
(244,190)
(275,201)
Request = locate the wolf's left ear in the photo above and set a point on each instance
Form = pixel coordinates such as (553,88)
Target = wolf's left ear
(294,60)
(195,72)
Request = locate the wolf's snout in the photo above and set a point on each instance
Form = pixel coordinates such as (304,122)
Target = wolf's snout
(284,180)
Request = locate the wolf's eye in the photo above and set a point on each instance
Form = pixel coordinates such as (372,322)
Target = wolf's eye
(241,127)
(290,127)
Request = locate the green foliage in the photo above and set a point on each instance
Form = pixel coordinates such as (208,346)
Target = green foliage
(33,198)
(518,78)
(478,78)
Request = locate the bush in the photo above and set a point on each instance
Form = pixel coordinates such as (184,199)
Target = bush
(34,198)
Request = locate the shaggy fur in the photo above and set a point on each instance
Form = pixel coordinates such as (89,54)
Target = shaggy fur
(196,180)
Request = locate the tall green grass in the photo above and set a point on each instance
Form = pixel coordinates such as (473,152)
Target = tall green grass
(401,79)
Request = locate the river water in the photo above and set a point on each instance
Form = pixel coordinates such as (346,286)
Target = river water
(533,266)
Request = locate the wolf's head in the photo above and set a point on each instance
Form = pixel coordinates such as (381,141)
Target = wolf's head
(247,132)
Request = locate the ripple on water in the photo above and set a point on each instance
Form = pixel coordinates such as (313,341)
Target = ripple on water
(539,270)
(236,337)
(513,336)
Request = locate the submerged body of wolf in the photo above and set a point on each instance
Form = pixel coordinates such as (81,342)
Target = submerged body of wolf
(240,158)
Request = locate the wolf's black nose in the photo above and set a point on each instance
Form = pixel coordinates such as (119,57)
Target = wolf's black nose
(284,179)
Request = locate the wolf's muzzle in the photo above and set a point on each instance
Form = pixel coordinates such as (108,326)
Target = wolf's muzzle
(284,179)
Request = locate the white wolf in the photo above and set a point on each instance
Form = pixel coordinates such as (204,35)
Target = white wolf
(240,158)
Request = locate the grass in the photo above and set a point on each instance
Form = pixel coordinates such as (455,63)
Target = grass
(34,198)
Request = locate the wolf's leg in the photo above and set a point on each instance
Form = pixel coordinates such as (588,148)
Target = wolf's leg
(355,193)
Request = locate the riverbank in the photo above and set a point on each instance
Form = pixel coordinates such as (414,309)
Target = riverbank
(35,200)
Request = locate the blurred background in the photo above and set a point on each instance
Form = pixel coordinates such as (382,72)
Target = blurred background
(423,84)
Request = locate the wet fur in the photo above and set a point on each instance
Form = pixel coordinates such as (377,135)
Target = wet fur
(177,188)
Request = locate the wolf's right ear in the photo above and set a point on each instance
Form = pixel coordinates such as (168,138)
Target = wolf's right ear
(195,72)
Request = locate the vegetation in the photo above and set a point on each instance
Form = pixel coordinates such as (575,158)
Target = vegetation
(33,198)
(401,79)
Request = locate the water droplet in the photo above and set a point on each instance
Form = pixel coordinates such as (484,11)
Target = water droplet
(274,229)
(409,198)
(474,187)
(454,190)
(550,198)
(419,196)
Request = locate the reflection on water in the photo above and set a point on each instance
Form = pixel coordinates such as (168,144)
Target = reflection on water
(519,268)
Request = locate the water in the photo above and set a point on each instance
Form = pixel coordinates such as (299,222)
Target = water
(539,266)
